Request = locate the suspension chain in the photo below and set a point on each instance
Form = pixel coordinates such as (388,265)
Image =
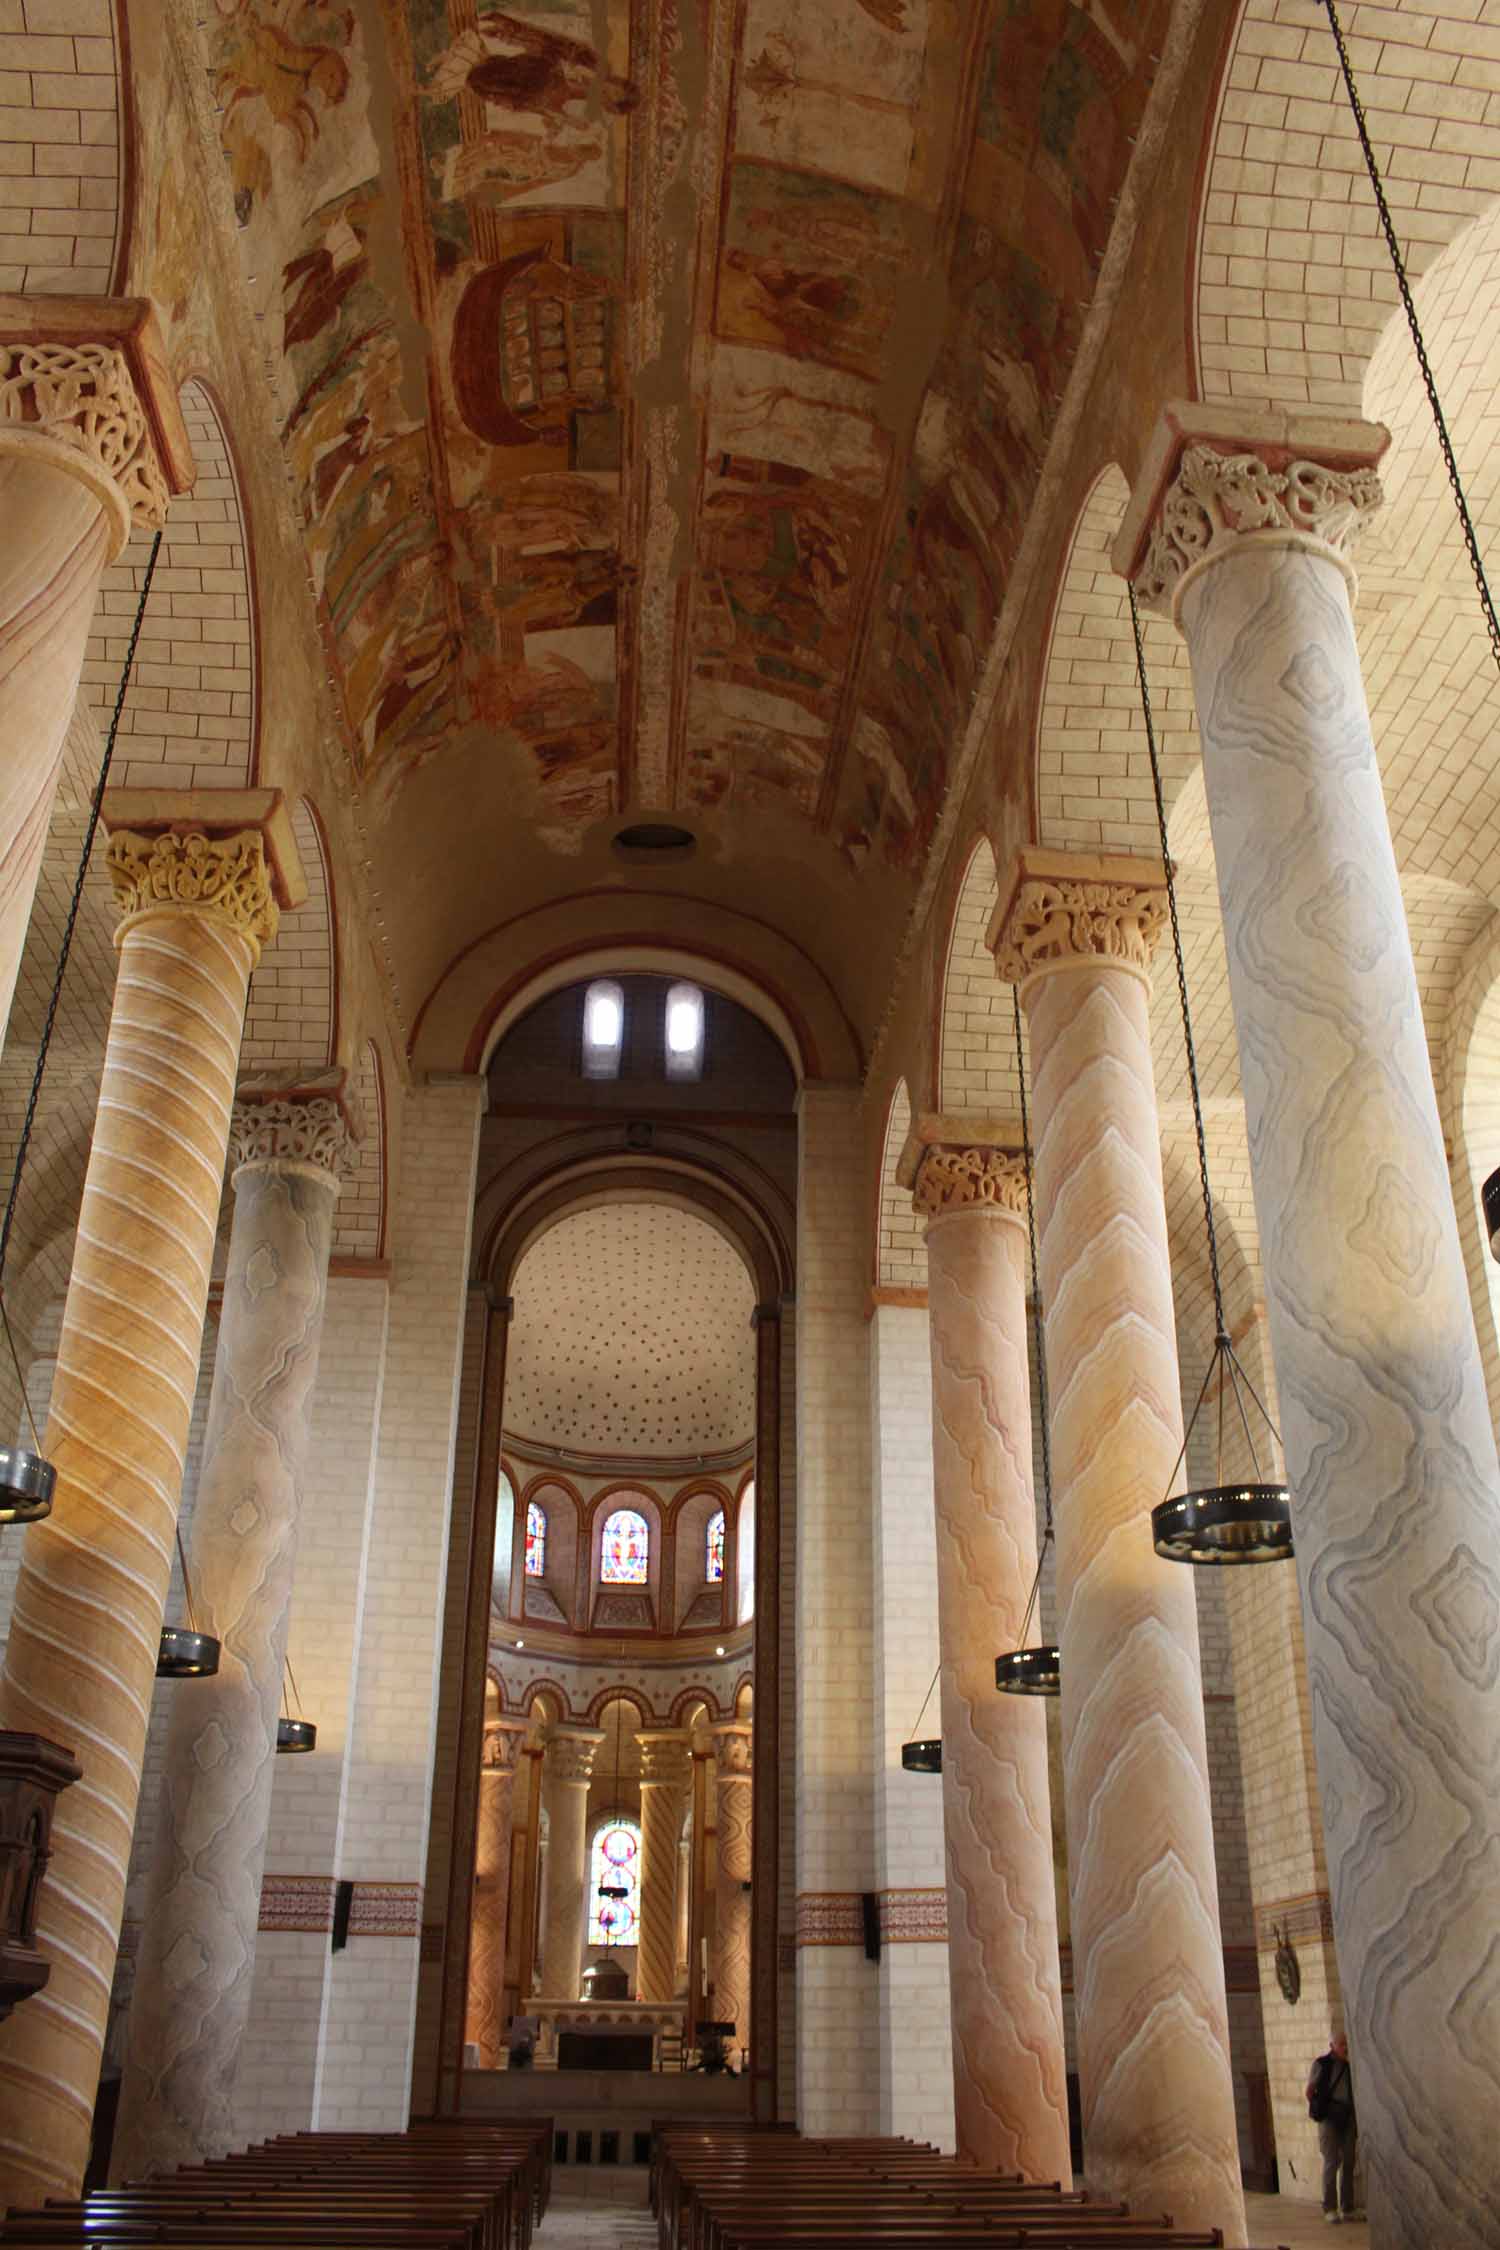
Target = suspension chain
(1036,1289)
(1466,521)
(1182,990)
(90,831)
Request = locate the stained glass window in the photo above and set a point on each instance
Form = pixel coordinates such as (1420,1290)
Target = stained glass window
(627,1543)
(536,1540)
(714,1570)
(615,1865)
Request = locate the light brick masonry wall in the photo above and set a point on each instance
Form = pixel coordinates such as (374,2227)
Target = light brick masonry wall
(59,146)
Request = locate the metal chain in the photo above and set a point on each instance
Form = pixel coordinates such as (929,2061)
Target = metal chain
(92,829)
(1182,990)
(1036,1292)
(1466,521)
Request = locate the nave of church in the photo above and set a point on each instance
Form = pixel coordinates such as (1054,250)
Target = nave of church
(749,1052)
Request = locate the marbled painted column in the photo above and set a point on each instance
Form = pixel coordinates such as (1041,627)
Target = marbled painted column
(81,1656)
(1148,1966)
(666,1769)
(1010,2095)
(91,444)
(1241,525)
(568,1770)
(484,2025)
(289,1149)
(732,1744)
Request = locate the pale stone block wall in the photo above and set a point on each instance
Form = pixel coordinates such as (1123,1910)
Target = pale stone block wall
(364,2072)
(916,2071)
(837,1988)
(59,146)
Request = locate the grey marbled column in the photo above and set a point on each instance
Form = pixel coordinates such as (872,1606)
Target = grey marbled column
(1240,526)
(288,1148)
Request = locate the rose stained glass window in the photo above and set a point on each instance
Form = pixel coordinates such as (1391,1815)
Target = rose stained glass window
(714,1567)
(624,1556)
(615,1865)
(536,1540)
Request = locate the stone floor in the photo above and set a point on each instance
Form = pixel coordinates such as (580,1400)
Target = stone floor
(603,2207)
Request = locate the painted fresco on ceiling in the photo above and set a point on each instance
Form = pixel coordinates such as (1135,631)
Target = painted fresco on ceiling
(664,382)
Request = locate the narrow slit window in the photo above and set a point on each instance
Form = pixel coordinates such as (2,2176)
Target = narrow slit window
(684,1031)
(714,1560)
(603,1029)
(536,1541)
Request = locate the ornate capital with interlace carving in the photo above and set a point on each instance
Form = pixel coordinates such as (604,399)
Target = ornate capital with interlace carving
(1217,474)
(191,873)
(965,1179)
(571,1752)
(501,1752)
(732,1740)
(666,1758)
(1065,909)
(304,1119)
(89,376)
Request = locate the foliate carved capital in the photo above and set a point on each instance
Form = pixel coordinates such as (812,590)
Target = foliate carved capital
(958,1179)
(224,876)
(84,395)
(292,1129)
(501,1753)
(732,1747)
(1217,494)
(1072,909)
(665,1758)
(570,1757)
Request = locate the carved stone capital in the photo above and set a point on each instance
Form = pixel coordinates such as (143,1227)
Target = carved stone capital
(190,873)
(90,376)
(308,1129)
(571,1752)
(665,1759)
(501,1751)
(1216,474)
(732,1740)
(1066,909)
(958,1179)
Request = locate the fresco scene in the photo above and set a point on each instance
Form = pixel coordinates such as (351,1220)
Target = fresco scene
(665,383)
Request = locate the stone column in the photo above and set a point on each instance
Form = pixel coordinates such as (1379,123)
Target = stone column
(569,1769)
(1241,526)
(732,1743)
(666,1769)
(485,2025)
(289,1149)
(1010,2095)
(1148,1969)
(91,445)
(81,1656)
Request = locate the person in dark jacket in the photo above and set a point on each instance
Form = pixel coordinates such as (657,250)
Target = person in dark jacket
(1330,2098)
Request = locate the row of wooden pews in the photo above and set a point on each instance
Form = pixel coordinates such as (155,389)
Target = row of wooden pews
(733,2188)
(437,2187)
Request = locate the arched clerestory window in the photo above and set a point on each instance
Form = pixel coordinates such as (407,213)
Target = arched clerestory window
(713,1561)
(625,1549)
(536,1540)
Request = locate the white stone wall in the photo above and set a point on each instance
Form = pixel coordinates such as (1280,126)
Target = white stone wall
(838,1990)
(364,2070)
(294,1967)
(916,2069)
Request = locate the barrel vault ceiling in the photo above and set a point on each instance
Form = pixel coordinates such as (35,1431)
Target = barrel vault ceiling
(665,385)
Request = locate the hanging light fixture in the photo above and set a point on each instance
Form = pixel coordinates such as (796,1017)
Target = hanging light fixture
(1490,1193)
(924,1754)
(1026,1670)
(1234,1519)
(294,1736)
(27,1480)
(185,1653)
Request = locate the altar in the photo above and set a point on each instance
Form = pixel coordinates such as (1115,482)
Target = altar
(607,2035)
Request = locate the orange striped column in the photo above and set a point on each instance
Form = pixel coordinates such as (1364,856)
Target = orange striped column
(666,1769)
(1077,934)
(733,1801)
(485,2014)
(196,910)
(91,447)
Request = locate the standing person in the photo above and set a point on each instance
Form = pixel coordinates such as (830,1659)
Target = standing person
(1330,2101)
